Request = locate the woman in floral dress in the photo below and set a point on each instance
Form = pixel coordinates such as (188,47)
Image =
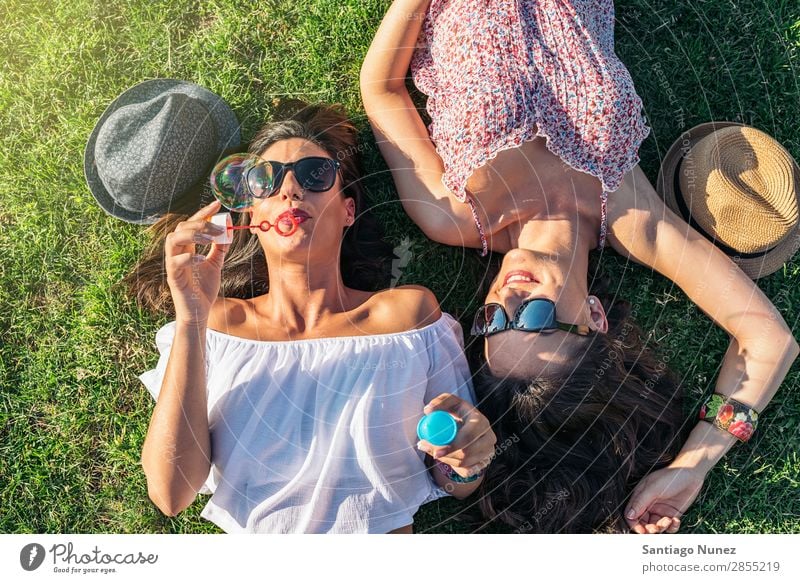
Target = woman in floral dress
(532,153)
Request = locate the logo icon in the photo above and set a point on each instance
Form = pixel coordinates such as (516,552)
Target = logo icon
(31,556)
(402,255)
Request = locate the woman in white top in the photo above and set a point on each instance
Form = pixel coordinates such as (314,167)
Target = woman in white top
(297,408)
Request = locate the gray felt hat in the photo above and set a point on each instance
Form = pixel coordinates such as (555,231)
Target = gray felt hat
(153,144)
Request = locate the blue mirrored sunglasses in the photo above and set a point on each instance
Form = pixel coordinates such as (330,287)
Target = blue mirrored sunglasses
(533,315)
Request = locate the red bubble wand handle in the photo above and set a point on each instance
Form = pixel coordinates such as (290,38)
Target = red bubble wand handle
(266,225)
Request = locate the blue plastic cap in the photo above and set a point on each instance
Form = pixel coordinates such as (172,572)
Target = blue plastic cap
(437,428)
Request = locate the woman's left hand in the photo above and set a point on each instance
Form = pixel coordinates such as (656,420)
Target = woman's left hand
(660,499)
(473,448)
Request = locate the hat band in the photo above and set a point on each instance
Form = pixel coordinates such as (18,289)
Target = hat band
(687,216)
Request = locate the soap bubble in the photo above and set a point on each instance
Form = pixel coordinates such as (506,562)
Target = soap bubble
(229,181)
(260,179)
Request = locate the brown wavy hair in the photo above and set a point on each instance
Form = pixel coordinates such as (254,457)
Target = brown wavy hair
(572,445)
(365,257)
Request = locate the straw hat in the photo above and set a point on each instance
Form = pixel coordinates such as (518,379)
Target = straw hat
(739,188)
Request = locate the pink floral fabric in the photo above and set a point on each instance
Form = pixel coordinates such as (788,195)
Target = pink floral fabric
(501,72)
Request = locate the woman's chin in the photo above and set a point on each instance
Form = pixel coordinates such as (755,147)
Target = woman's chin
(298,241)
(300,245)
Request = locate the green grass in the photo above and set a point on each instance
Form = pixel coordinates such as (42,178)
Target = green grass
(73,415)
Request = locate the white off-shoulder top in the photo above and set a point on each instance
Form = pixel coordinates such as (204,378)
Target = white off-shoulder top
(319,435)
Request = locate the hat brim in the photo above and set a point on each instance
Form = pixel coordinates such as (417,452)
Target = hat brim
(754,267)
(224,119)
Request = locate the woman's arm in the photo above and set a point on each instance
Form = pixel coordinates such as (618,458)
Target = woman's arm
(176,456)
(401,134)
(762,347)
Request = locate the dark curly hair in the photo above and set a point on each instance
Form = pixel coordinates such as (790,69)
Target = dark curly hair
(572,445)
(365,257)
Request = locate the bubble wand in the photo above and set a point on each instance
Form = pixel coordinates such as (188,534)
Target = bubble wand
(224,220)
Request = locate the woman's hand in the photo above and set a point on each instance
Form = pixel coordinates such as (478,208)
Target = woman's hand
(660,499)
(194,280)
(473,448)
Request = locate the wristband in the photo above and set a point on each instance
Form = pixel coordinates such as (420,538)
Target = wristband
(729,415)
(449,473)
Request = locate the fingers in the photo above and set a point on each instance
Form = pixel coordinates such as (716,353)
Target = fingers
(450,403)
(188,236)
(203,227)
(480,451)
(662,524)
(434,451)
(216,258)
(205,212)
(189,233)
(185,260)
(217,254)
(475,457)
(476,447)
(473,444)
(639,502)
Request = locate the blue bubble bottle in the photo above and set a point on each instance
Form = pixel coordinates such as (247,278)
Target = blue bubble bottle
(438,428)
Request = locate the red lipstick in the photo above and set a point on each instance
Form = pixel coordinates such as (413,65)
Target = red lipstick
(299,215)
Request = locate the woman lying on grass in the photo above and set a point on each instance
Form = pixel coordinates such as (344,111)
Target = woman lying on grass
(536,126)
(293,397)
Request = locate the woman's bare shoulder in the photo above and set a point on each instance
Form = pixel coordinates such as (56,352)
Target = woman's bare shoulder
(407,306)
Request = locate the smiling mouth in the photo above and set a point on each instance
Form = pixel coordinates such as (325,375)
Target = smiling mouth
(519,276)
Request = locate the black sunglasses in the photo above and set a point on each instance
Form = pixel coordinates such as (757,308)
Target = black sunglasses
(315,174)
(533,315)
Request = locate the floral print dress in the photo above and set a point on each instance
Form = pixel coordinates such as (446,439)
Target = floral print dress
(498,73)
